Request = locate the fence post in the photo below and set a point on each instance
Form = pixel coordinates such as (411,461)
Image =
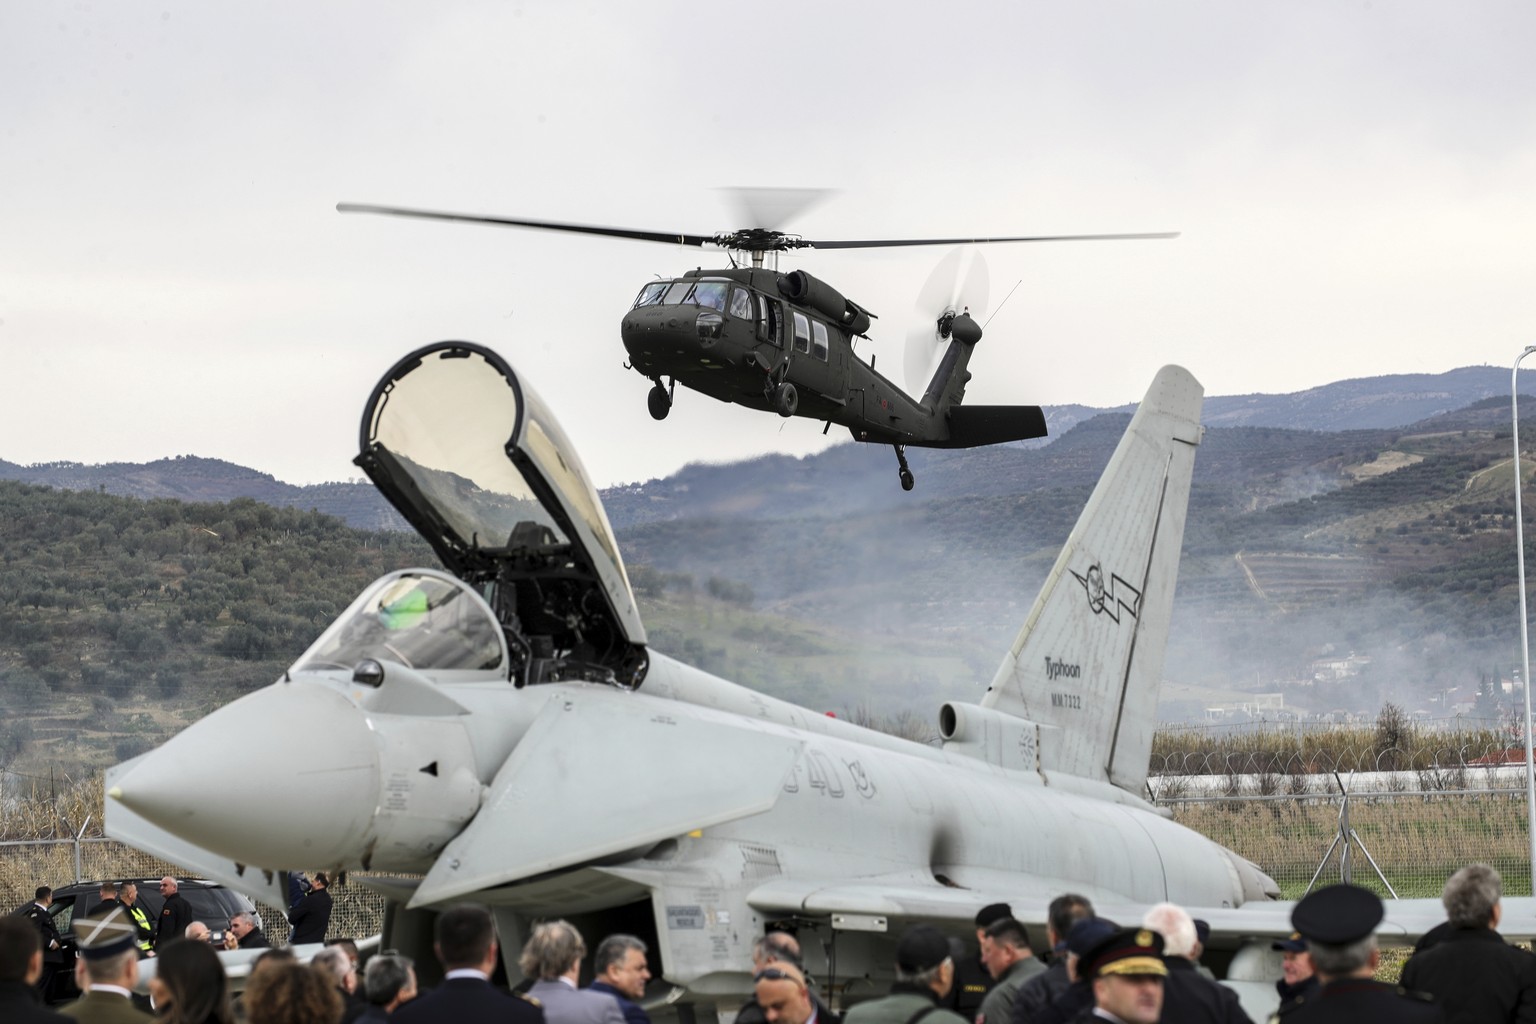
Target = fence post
(78,836)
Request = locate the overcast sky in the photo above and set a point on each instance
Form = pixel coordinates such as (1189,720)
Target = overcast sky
(1354,184)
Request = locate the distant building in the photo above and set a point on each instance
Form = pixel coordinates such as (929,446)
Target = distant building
(1331,670)
(1254,705)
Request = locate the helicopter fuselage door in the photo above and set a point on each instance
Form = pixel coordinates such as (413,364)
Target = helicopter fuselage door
(822,389)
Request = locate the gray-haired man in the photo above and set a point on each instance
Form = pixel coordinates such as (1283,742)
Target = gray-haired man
(1471,971)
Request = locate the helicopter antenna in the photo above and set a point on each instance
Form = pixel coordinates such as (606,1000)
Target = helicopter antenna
(1000,305)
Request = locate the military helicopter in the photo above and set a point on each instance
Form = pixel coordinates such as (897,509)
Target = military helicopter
(784,342)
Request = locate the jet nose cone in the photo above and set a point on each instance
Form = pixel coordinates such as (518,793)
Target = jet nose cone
(286,777)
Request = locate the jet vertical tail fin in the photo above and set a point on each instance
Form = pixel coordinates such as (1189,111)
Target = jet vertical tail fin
(1088,662)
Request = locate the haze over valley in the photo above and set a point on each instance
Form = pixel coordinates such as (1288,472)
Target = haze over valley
(1346,546)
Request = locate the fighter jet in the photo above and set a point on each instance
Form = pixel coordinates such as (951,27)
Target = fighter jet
(500,730)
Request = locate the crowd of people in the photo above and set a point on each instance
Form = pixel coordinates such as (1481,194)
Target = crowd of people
(1092,971)
(1461,972)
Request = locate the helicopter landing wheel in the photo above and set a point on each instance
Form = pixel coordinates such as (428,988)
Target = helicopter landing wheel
(659,402)
(908,481)
(786,399)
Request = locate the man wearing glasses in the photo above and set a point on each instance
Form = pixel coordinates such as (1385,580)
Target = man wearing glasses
(784,996)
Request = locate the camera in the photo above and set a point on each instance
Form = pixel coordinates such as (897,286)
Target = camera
(217,938)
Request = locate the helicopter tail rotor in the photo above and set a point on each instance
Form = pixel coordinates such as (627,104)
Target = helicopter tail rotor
(951,302)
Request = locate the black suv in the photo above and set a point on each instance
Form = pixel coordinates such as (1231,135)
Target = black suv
(211,904)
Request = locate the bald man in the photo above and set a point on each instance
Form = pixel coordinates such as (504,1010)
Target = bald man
(784,996)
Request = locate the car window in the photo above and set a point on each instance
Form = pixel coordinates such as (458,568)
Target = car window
(63,912)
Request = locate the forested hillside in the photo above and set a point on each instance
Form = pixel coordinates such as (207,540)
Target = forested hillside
(120,618)
(119,603)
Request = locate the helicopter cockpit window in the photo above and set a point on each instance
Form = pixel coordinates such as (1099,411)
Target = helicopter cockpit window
(711,294)
(429,623)
(677,293)
(819,340)
(741,304)
(802,333)
(652,294)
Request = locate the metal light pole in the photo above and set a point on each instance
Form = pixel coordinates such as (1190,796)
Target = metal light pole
(1525,638)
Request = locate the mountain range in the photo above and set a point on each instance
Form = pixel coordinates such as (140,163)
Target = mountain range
(1365,524)
(845,476)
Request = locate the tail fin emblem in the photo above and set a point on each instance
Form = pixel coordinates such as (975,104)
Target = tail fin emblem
(1111,600)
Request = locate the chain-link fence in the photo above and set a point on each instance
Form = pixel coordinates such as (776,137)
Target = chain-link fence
(26,864)
(1416,839)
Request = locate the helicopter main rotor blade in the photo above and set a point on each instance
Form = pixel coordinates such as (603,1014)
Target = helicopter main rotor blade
(546,225)
(772,208)
(877,243)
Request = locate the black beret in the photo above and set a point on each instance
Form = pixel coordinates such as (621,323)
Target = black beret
(922,948)
(1089,932)
(1338,915)
(992,913)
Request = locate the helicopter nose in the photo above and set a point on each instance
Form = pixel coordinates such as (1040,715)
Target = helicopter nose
(284,777)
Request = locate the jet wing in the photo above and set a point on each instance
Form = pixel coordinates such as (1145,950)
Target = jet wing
(602,772)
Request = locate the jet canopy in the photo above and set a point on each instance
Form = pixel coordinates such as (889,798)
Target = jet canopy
(474,460)
(422,619)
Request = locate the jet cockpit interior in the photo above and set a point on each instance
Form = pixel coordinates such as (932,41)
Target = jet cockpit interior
(476,463)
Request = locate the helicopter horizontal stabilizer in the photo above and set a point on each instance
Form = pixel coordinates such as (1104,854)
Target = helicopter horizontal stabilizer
(972,426)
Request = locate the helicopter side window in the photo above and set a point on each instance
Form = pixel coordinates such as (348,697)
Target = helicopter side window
(741,304)
(802,333)
(819,340)
(764,325)
(711,294)
(677,293)
(652,294)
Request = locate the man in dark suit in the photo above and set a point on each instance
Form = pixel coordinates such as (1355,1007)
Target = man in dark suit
(1339,923)
(390,982)
(108,900)
(243,933)
(175,913)
(311,916)
(621,971)
(465,943)
(53,944)
(1188,996)
(21,964)
(1471,970)
(1043,989)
